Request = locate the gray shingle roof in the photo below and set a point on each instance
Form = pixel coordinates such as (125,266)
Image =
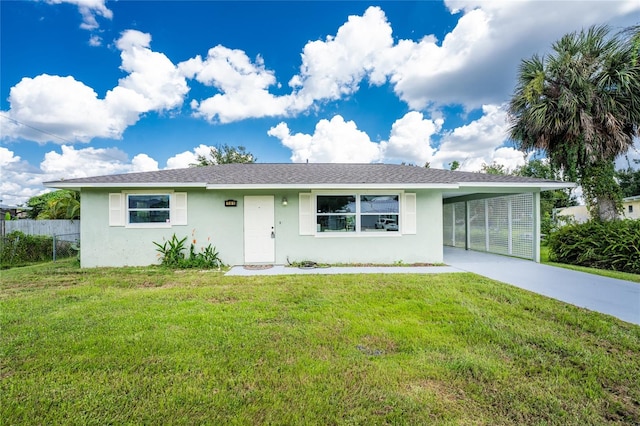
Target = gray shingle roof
(264,174)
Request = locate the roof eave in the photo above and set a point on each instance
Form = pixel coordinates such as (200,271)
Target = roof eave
(395,186)
(542,186)
(76,186)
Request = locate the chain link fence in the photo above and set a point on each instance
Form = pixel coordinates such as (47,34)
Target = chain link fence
(19,249)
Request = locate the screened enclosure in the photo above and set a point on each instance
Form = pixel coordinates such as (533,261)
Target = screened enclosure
(503,225)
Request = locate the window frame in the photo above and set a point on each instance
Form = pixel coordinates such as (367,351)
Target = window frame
(128,210)
(358,232)
(118,208)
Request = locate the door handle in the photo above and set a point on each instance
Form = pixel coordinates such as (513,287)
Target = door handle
(273,233)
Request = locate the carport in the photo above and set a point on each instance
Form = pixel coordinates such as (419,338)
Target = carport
(507,224)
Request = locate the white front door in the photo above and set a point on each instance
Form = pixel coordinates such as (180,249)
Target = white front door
(259,236)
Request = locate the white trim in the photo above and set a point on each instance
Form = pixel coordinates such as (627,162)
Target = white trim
(177,209)
(125,185)
(339,186)
(358,233)
(531,185)
(318,186)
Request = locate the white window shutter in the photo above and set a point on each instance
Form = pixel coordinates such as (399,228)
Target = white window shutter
(409,216)
(179,208)
(306,214)
(116,209)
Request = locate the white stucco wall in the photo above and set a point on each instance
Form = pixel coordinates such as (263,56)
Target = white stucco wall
(635,207)
(209,221)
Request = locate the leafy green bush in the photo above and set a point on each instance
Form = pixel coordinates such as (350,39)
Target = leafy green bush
(611,245)
(173,256)
(17,248)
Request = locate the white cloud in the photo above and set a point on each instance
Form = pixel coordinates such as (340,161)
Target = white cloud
(61,108)
(143,163)
(49,108)
(474,64)
(330,70)
(410,141)
(151,75)
(21,180)
(334,141)
(335,67)
(477,61)
(186,158)
(480,141)
(76,163)
(95,41)
(244,85)
(89,9)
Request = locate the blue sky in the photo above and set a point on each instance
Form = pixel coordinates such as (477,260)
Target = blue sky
(91,87)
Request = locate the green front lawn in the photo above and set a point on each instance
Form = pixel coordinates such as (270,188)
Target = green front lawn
(152,346)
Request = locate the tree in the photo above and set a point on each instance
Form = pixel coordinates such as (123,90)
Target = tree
(44,205)
(454,165)
(64,206)
(629,180)
(549,200)
(225,154)
(494,169)
(580,106)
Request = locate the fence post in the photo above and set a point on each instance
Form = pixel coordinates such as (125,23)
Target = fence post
(54,247)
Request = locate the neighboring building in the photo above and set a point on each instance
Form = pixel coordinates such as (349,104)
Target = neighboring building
(631,207)
(16,212)
(572,214)
(580,214)
(332,213)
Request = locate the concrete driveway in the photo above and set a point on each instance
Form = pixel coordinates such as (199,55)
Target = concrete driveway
(618,298)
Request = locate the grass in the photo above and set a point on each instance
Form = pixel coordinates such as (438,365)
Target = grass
(544,258)
(149,346)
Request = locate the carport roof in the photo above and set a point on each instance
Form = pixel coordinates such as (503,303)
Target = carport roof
(314,175)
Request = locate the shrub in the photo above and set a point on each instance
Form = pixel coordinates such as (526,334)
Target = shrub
(611,245)
(17,248)
(172,255)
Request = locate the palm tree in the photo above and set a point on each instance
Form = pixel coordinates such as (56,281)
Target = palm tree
(581,105)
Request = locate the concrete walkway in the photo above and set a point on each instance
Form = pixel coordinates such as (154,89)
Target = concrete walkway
(335,270)
(618,298)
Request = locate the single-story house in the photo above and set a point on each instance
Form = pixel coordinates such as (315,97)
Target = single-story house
(331,213)
(572,214)
(631,207)
(16,212)
(580,214)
